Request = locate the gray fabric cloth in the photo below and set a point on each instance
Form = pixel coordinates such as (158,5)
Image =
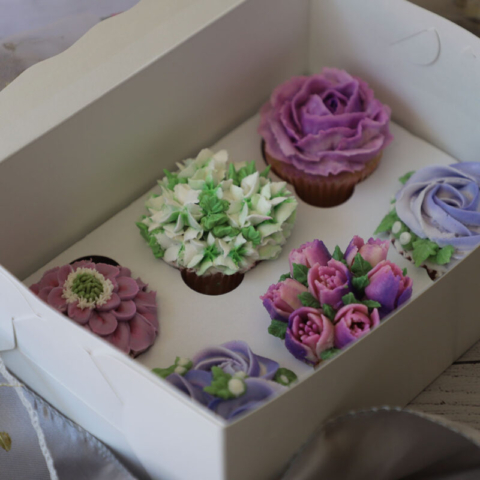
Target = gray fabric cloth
(387,445)
(77,455)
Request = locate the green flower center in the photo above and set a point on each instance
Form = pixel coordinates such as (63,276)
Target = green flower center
(87,286)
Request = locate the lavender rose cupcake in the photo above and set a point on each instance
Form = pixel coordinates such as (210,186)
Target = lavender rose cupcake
(324,134)
(105,300)
(327,301)
(228,379)
(434,219)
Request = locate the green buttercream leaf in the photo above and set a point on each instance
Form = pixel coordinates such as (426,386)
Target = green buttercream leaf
(284,277)
(251,169)
(404,179)
(143,230)
(300,273)
(265,172)
(164,372)
(211,204)
(360,266)
(444,255)
(232,175)
(173,179)
(285,377)
(211,253)
(338,254)
(404,271)
(371,304)
(349,298)
(423,249)
(308,300)
(252,235)
(237,254)
(221,231)
(328,311)
(156,248)
(278,329)
(220,385)
(212,220)
(360,283)
(387,223)
(330,353)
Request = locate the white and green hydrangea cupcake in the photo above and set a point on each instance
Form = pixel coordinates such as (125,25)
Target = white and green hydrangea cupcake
(216,220)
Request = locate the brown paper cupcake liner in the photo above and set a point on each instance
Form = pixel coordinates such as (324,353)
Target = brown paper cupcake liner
(321,191)
(213,284)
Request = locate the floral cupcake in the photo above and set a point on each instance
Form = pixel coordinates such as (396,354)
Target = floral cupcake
(326,301)
(324,134)
(228,379)
(216,220)
(105,300)
(434,219)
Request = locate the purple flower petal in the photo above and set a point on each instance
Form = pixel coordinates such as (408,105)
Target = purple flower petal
(81,316)
(127,288)
(108,271)
(125,311)
(56,300)
(142,334)
(111,304)
(103,323)
(120,338)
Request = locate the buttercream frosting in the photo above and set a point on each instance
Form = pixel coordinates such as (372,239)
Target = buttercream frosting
(324,124)
(214,216)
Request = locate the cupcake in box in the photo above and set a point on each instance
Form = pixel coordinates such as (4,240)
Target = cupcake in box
(228,379)
(324,134)
(434,219)
(326,302)
(104,299)
(215,220)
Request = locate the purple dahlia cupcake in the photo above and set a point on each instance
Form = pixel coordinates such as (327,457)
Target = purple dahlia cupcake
(105,300)
(324,134)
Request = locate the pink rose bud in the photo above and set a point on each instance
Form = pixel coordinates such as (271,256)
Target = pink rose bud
(353,322)
(281,299)
(309,254)
(374,251)
(388,286)
(309,333)
(328,284)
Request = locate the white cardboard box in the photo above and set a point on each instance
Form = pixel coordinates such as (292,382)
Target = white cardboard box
(88,132)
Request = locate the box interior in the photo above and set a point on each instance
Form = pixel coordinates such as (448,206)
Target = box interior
(109,154)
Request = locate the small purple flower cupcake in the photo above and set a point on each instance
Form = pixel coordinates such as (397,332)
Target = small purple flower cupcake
(328,301)
(105,300)
(323,134)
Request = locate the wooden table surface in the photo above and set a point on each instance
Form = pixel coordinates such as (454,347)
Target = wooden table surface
(456,393)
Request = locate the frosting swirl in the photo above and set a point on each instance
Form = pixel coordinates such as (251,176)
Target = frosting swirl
(442,203)
(325,124)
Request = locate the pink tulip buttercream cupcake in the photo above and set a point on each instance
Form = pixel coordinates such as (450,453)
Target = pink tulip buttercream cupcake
(324,134)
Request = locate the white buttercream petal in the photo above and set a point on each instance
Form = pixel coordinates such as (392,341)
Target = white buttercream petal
(266,191)
(269,252)
(171,253)
(285,210)
(235,207)
(236,192)
(255,219)
(240,240)
(185,194)
(250,184)
(277,187)
(243,215)
(269,228)
(191,233)
(277,200)
(210,239)
(263,206)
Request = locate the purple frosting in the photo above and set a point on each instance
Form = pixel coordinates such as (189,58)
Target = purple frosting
(442,203)
(235,356)
(282,299)
(232,357)
(325,124)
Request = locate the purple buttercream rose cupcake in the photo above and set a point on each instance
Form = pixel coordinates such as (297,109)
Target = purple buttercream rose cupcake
(104,299)
(324,134)
(434,219)
(228,379)
(327,301)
